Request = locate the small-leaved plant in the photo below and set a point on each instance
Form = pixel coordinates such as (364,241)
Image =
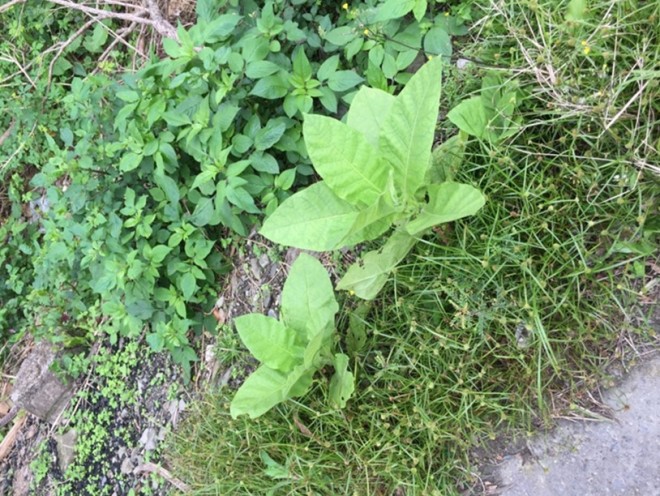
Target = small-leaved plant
(377,171)
(293,348)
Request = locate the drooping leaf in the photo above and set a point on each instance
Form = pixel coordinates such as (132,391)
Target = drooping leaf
(344,158)
(369,108)
(447,202)
(312,219)
(408,131)
(342,383)
(308,301)
(270,341)
(368,276)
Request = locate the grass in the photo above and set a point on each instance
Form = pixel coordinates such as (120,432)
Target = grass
(501,321)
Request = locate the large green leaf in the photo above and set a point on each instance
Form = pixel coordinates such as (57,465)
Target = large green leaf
(407,133)
(368,276)
(447,202)
(270,341)
(470,116)
(345,160)
(312,219)
(267,387)
(308,301)
(342,383)
(369,108)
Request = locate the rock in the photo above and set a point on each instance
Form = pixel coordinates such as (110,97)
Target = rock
(37,389)
(66,448)
(127,466)
(149,439)
(589,458)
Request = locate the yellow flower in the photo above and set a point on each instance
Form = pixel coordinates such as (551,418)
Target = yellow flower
(586,50)
(344,5)
(366,32)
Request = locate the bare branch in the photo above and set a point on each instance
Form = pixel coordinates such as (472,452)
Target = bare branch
(10,4)
(65,44)
(152,468)
(156,21)
(7,133)
(160,24)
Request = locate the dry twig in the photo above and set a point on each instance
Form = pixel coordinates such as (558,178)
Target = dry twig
(165,474)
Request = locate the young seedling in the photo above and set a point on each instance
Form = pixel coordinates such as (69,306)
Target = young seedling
(377,173)
(292,349)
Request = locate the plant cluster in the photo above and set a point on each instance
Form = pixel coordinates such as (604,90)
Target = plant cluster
(141,181)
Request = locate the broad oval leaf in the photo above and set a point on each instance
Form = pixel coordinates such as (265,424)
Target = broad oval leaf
(369,108)
(312,219)
(470,116)
(343,157)
(407,133)
(270,341)
(447,202)
(308,301)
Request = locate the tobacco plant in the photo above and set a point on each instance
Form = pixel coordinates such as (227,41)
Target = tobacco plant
(377,173)
(292,349)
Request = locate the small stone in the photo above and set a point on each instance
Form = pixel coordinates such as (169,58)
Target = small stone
(127,466)
(149,439)
(37,389)
(264,261)
(66,448)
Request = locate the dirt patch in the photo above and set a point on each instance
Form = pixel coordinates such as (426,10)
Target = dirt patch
(111,433)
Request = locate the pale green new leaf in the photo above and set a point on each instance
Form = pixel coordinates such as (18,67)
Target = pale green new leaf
(270,341)
(267,387)
(407,133)
(470,116)
(372,222)
(368,276)
(308,301)
(369,109)
(312,219)
(344,158)
(447,202)
(342,383)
